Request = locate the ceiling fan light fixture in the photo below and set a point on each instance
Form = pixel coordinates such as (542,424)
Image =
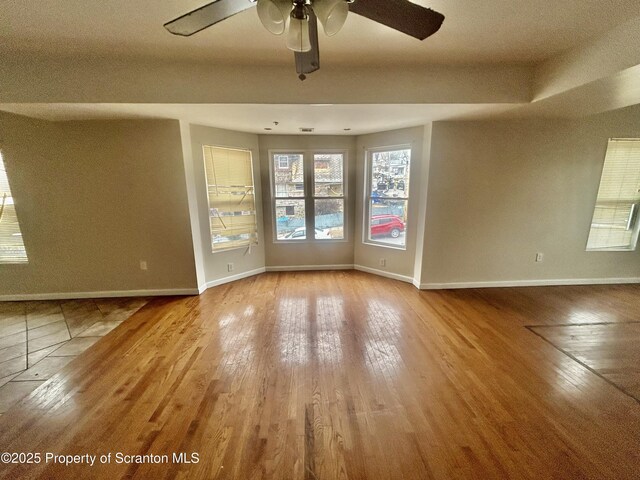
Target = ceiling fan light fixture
(298,38)
(274,14)
(332,14)
(302,17)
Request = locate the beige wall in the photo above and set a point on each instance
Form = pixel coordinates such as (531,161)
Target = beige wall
(501,191)
(215,264)
(398,262)
(423,172)
(308,252)
(93,199)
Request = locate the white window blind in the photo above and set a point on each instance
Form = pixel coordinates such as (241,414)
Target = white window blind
(615,218)
(231,194)
(11,245)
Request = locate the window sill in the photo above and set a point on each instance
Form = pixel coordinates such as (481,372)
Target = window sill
(236,247)
(307,242)
(385,245)
(610,250)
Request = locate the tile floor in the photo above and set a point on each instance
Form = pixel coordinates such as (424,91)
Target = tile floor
(37,339)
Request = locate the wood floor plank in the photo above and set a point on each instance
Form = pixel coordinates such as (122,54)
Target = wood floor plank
(344,375)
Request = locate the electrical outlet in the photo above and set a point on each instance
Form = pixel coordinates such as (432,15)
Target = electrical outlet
(229,267)
(539,257)
(383,262)
(143,265)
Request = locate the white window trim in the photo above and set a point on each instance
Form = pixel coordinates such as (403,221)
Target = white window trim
(250,244)
(344,198)
(9,200)
(635,212)
(309,198)
(366,201)
(272,177)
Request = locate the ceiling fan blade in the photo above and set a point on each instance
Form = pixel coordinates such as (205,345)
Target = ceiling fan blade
(308,62)
(401,15)
(206,16)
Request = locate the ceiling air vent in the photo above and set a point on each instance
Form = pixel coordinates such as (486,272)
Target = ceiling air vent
(306,129)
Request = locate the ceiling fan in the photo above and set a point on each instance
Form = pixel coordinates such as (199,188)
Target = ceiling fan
(300,18)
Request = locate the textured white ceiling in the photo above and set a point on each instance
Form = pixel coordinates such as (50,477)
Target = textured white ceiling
(474,31)
(492,31)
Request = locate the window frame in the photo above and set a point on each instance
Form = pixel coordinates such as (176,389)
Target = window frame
(366,203)
(249,243)
(343,197)
(13,261)
(309,194)
(634,216)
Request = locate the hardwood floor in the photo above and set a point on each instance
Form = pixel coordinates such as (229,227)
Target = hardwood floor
(343,375)
(610,350)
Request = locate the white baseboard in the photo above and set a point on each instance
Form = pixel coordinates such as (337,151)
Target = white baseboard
(395,276)
(530,283)
(304,268)
(233,278)
(103,294)
(382,273)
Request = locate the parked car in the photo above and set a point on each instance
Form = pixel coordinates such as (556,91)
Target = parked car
(382,225)
(300,233)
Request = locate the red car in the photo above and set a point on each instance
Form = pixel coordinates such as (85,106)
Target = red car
(386,225)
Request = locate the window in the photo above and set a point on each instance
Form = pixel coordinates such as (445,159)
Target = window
(283,162)
(288,179)
(298,208)
(614,226)
(11,245)
(387,197)
(231,194)
(328,196)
